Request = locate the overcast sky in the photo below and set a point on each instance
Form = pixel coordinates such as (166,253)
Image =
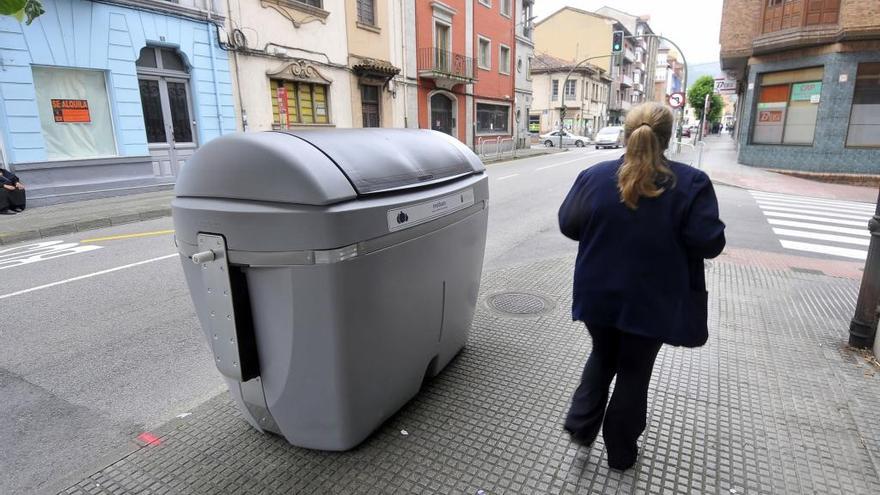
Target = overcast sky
(693,25)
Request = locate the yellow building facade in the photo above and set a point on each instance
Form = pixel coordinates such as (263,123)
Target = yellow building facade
(572,34)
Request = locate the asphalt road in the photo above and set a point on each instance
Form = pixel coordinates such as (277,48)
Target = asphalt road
(100,345)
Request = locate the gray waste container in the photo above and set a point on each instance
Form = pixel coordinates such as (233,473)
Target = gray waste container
(331,270)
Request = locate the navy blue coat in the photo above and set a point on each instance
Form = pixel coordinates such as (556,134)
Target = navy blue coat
(641,270)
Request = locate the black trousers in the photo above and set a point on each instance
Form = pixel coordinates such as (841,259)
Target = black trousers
(12,199)
(631,358)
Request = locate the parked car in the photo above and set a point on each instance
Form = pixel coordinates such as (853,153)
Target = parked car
(610,137)
(551,139)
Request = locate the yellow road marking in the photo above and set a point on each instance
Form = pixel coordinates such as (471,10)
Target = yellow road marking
(128,236)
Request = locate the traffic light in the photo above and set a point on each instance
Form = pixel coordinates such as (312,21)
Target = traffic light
(617,42)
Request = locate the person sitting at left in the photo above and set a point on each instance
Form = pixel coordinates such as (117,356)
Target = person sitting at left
(14,190)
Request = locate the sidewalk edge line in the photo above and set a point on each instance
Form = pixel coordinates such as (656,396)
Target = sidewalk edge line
(84,225)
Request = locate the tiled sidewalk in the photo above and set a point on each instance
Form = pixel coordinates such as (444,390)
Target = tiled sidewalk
(774,403)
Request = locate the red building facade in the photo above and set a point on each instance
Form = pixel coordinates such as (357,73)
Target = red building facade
(494,52)
(465,53)
(445,66)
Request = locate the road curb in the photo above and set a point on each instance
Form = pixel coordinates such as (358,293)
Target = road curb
(7,238)
(719,182)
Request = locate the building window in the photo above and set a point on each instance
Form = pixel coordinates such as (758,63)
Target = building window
(370,105)
(864,119)
(821,12)
(366,10)
(529,69)
(505,7)
(554,89)
(503,59)
(296,103)
(570,90)
(487,3)
(314,3)
(526,20)
(788,105)
(534,123)
(787,14)
(492,119)
(485,54)
(74,113)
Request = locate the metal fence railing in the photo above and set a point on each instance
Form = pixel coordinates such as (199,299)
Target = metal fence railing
(496,147)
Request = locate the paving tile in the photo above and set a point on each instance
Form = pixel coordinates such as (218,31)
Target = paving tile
(772,404)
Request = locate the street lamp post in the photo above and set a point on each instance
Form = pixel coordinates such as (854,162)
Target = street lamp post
(565,84)
(657,36)
(863,328)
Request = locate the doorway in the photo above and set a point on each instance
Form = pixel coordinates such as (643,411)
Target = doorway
(163,79)
(442,113)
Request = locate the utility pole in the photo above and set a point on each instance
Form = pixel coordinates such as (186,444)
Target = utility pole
(863,328)
(706,104)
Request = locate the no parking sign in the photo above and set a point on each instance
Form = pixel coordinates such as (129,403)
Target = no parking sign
(676,100)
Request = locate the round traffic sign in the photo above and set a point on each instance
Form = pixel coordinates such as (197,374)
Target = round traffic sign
(676,100)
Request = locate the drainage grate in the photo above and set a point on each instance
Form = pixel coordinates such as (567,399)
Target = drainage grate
(518,303)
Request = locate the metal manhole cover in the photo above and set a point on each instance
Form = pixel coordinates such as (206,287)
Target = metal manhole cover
(518,303)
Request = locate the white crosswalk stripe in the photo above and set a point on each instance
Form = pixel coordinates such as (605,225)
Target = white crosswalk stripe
(820,226)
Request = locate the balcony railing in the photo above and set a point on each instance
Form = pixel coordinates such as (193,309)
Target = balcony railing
(780,15)
(626,80)
(434,62)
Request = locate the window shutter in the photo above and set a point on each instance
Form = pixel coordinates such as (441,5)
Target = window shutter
(366,12)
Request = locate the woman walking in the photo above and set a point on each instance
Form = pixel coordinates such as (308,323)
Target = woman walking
(644,225)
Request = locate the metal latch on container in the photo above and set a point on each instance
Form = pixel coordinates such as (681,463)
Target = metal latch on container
(222,325)
(204,257)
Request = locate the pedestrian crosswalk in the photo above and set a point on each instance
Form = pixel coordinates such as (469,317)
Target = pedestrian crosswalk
(820,226)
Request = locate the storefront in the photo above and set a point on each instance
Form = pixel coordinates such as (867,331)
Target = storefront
(99,100)
(814,114)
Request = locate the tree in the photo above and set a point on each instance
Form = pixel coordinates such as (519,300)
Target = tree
(697,99)
(22,10)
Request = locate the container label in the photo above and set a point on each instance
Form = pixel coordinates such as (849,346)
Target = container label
(408,216)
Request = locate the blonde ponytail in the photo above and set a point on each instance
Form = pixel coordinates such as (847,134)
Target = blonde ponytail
(644,172)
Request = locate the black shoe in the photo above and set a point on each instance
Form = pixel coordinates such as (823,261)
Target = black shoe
(578,440)
(622,465)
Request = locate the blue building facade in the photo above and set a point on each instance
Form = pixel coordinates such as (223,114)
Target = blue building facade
(101,99)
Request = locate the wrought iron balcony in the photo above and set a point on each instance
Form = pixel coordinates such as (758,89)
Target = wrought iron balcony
(445,67)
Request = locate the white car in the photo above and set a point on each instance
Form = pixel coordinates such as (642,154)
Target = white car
(551,139)
(610,137)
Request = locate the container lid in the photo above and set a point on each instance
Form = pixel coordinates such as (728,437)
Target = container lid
(384,160)
(263,166)
(323,167)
